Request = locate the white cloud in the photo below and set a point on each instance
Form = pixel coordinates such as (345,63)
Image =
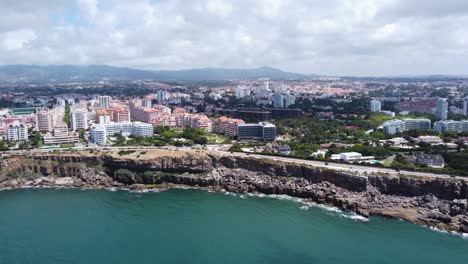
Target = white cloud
(363,37)
(16,40)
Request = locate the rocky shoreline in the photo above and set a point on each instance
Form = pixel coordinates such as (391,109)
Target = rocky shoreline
(435,203)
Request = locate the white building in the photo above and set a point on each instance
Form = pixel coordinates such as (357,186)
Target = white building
(142,129)
(17,132)
(441,110)
(100,132)
(289,100)
(104,101)
(350,156)
(162,95)
(242,91)
(394,126)
(451,125)
(375,106)
(397,126)
(147,103)
(79,119)
(99,135)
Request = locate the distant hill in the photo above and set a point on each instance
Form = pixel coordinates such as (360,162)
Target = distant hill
(62,73)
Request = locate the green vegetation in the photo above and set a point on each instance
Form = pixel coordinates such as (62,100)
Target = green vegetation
(36,139)
(66,115)
(167,136)
(125,152)
(3,146)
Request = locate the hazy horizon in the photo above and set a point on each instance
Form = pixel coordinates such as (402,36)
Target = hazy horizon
(335,38)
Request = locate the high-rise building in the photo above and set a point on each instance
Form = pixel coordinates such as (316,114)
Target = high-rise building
(44,120)
(147,103)
(289,100)
(465,106)
(266,86)
(242,91)
(375,106)
(278,101)
(441,109)
(162,95)
(104,101)
(17,132)
(79,119)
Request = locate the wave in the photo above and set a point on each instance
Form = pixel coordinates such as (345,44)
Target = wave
(453,233)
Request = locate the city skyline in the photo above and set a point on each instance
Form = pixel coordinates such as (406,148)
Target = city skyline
(337,38)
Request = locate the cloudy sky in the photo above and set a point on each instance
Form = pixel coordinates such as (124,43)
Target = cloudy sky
(335,37)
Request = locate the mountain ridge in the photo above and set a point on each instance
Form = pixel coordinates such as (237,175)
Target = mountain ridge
(67,72)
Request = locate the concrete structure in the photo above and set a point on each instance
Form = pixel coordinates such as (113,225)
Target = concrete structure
(79,119)
(278,101)
(417,123)
(375,106)
(61,135)
(104,101)
(260,131)
(162,95)
(394,126)
(17,132)
(44,120)
(99,135)
(465,106)
(350,156)
(397,126)
(142,129)
(434,161)
(100,132)
(441,109)
(451,125)
(147,103)
(226,126)
(242,91)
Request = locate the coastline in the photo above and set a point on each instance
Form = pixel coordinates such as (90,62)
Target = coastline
(306,204)
(432,203)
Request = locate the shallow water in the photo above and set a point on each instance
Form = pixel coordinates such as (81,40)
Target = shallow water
(187,226)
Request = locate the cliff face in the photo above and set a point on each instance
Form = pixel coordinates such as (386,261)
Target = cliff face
(150,171)
(444,189)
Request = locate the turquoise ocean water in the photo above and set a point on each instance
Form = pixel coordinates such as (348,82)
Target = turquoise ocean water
(187,226)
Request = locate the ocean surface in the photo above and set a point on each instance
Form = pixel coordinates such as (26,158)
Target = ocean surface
(188,226)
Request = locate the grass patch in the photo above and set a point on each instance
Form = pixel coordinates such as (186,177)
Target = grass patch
(125,152)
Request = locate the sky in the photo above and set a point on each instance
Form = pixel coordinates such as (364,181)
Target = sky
(332,37)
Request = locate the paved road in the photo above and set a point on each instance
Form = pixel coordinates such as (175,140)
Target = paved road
(223,150)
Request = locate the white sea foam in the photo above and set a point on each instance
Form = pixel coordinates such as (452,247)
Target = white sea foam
(453,233)
(304,207)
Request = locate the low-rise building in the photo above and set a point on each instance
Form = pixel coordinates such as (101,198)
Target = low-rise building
(397,126)
(260,131)
(434,161)
(451,125)
(100,132)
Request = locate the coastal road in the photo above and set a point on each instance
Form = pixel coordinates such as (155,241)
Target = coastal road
(360,170)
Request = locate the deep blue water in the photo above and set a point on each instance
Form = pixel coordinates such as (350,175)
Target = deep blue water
(185,226)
